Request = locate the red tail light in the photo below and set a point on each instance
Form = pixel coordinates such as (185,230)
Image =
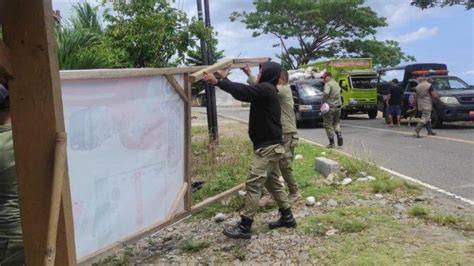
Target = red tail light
(429,72)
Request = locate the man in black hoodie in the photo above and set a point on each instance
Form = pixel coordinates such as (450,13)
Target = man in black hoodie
(266,135)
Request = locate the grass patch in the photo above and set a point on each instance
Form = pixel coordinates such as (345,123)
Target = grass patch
(412,189)
(469,225)
(198,130)
(419,211)
(221,169)
(385,185)
(445,219)
(389,246)
(122,259)
(346,220)
(193,246)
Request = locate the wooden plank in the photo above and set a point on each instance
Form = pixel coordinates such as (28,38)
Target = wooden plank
(242,62)
(103,253)
(144,72)
(37,114)
(187,144)
(100,254)
(177,200)
(197,76)
(55,204)
(125,73)
(174,83)
(5,63)
(215,198)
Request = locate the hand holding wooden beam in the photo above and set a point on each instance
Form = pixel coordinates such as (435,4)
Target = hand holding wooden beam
(227,64)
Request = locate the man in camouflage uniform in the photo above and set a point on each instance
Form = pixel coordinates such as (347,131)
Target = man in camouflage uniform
(332,96)
(424,98)
(288,124)
(11,243)
(266,135)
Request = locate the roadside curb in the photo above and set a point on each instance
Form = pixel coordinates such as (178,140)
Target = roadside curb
(392,172)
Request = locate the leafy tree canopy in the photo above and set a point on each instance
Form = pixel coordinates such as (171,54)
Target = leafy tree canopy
(308,30)
(151,32)
(424,4)
(82,44)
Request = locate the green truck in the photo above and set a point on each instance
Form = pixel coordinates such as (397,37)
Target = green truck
(358,82)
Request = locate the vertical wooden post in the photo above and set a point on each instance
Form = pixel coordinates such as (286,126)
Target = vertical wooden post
(37,115)
(187,142)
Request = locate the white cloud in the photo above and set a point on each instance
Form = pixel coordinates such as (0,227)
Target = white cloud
(469,72)
(400,12)
(420,34)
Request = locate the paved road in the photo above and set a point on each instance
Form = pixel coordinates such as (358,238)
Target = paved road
(445,161)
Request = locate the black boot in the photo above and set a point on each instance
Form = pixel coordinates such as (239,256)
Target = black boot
(331,144)
(429,127)
(240,230)
(286,220)
(339,139)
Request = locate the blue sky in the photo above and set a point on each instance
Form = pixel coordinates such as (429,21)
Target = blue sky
(437,35)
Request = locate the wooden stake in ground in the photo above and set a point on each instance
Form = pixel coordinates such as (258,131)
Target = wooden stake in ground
(55,204)
(37,115)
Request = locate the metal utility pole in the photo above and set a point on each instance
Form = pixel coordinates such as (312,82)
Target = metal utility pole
(210,60)
(209,89)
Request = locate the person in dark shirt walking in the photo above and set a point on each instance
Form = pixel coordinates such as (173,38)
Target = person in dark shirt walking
(265,131)
(394,102)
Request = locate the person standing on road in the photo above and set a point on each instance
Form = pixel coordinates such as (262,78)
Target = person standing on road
(332,96)
(394,102)
(266,135)
(424,98)
(11,241)
(288,124)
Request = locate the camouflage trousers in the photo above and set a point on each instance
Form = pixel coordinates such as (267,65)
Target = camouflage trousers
(425,117)
(290,141)
(264,173)
(11,253)
(331,121)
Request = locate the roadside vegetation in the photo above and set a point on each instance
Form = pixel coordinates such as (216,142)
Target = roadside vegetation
(386,221)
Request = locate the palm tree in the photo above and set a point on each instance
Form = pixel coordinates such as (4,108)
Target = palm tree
(82,43)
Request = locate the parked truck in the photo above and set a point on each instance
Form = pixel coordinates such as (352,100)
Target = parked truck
(358,82)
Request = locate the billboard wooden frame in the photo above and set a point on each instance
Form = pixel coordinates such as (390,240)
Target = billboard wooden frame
(28,60)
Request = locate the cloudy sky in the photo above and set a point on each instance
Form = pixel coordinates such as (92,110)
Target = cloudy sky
(437,35)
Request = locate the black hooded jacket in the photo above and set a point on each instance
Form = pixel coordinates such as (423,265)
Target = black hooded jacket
(264,120)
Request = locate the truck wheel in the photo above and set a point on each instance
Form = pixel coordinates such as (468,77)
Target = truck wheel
(372,114)
(435,119)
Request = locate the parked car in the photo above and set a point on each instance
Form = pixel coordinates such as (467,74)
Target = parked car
(456,96)
(308,97)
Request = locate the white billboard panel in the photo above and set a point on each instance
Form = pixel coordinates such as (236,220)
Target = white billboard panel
(125,155)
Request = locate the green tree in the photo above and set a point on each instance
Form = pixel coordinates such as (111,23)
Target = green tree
(194,58)
(308,30)
(423,4)
(151,32)
(386,53)
(82,43)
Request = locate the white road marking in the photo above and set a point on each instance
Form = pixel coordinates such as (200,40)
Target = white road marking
(400,175)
